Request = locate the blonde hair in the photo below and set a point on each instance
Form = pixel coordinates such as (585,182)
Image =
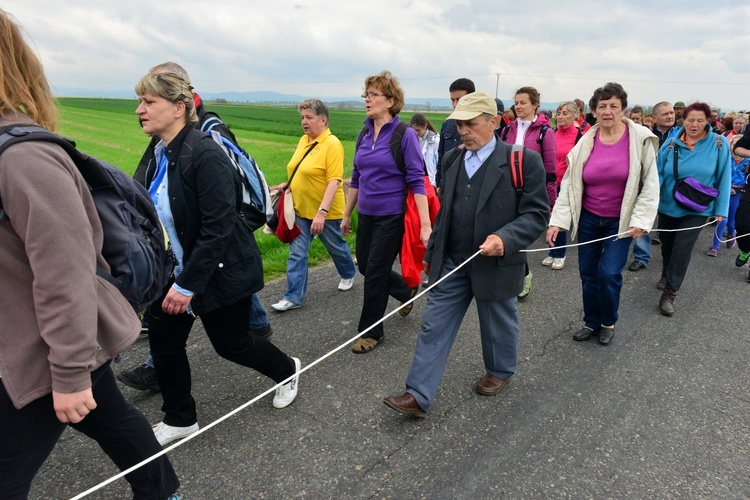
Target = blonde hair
(23,86)
(173,88)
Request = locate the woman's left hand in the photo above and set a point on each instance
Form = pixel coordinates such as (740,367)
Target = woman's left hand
(317,224)
(635,232)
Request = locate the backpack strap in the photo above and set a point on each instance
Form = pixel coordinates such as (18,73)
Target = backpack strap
(516,168)
(505,133)
(397,146)
(540,140)
(579,135)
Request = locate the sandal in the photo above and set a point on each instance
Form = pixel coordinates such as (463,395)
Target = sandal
(365,344)
(405,310)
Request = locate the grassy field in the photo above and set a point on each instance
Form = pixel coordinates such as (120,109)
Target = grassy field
(108,129)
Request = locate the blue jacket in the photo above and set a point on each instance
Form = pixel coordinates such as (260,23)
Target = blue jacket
(739,177)
(449,139)
(705,162)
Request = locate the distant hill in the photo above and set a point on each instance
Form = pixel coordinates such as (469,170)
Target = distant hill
(266,97)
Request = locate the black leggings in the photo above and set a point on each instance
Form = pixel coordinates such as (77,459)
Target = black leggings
(227,329)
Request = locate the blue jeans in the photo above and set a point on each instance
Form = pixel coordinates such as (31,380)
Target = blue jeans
(729,221)
(561,241)
(600,265)
(258,317)
(642,249)
(299,248)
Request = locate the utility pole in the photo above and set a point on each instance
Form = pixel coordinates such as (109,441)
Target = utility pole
(497,84)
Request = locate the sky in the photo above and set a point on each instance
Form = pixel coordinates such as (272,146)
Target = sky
(658,50)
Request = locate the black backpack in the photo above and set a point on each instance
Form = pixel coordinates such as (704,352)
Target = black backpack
(395,145)
(134,246)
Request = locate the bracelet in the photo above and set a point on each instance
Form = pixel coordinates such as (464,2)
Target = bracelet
(321,209)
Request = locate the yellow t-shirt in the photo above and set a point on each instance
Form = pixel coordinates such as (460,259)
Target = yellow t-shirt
(324,163)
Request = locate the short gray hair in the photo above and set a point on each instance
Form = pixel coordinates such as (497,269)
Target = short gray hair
(316,106)
(570,106)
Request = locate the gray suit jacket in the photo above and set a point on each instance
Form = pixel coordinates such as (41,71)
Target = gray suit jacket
(517,220)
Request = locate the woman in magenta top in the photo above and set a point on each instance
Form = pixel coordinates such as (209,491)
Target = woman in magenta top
(610,191)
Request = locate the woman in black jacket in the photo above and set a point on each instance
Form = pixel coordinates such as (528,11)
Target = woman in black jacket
(217,262)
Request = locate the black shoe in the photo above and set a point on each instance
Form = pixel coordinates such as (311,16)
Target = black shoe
(142,378)
(739,261)
(264,332)
(606,335)
(661,283)
(583,334)
(636,265)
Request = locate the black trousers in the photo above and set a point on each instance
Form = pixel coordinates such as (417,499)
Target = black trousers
(742,222)
(227,329)
(378,244)
(122,431)
(676,247)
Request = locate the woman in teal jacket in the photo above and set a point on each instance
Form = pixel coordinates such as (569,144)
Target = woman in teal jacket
(703,155)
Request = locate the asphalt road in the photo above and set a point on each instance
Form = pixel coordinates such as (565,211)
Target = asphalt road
(663,412)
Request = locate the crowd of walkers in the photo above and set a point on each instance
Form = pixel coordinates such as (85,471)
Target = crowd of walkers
(459,205)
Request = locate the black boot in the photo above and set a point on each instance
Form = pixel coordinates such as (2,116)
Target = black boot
(666,302)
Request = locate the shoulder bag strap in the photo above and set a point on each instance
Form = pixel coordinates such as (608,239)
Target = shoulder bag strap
(289,182)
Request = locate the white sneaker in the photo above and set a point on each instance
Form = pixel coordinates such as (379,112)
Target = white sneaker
(558,263)
(285,305)
(286,393)
(346,284)
(165,434)
(547,261)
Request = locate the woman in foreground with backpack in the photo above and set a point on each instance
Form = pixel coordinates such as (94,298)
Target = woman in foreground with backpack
(218,265)
(62,324)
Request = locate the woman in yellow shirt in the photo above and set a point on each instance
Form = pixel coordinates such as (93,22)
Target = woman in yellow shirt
(318,203)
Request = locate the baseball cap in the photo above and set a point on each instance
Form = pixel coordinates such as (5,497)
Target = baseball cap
(500,105)
(472,105)
(679,104)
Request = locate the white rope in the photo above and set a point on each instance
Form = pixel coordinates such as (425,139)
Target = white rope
(331,353)
(269,391)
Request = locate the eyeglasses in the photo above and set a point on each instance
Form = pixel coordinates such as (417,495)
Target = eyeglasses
(371,95)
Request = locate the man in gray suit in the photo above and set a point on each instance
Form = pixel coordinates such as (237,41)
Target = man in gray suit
(481,209)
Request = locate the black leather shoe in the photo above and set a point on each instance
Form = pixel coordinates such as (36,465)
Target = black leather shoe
(583,334)
(636,265)
(606,335)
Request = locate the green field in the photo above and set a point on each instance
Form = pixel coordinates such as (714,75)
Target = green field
(108,129)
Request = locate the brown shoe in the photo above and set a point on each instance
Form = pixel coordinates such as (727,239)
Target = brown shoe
(666,302)
(405,404)
(405,310)
(490,385)
(365,344)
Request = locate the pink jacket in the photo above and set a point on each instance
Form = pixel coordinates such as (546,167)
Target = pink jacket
(548,148)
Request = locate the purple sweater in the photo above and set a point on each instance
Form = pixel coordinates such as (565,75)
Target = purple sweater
(379,179)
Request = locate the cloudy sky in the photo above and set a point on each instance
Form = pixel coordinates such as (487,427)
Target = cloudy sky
(658,50)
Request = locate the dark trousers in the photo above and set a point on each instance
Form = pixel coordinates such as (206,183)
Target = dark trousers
(122,431)
(676,247)
(378,243)
(227,329)
(742,222)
